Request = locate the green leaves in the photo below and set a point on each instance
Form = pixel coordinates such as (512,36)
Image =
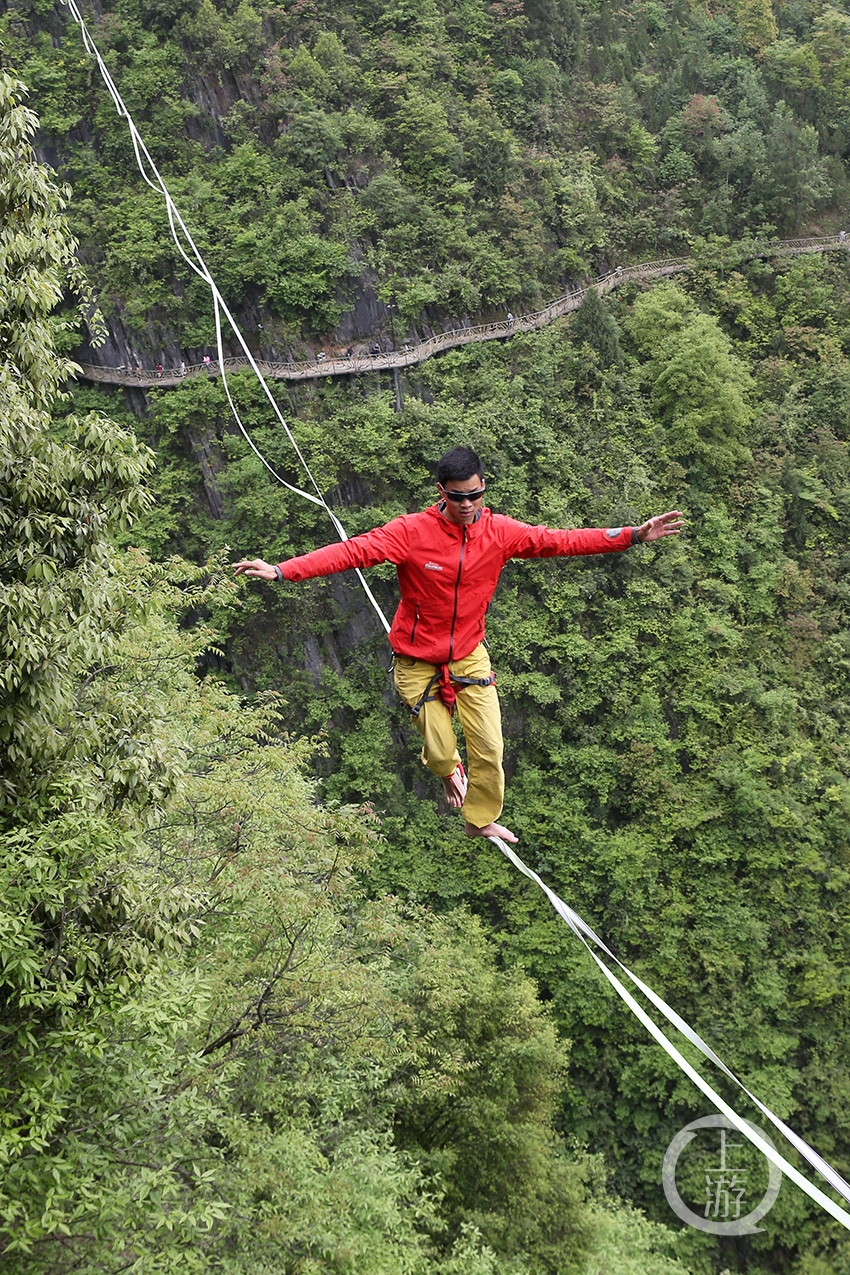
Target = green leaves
(594,325)
(673,720)
(698,386)
(59,500)
(213,1047)
(36,257)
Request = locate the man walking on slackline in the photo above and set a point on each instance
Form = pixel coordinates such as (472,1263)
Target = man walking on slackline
(448,560)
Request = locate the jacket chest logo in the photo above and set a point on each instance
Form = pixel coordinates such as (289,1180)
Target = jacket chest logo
(433,566)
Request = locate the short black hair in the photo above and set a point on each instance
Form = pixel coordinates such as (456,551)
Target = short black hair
(458,465)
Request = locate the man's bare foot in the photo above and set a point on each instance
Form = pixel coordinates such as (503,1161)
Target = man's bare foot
(454,786)
(491,830)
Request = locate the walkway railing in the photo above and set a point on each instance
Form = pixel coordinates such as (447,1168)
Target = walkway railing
(410,354)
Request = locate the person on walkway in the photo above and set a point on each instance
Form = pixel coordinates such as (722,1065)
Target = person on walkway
(448,560)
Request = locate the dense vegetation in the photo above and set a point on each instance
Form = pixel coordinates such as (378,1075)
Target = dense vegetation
(229,968)
(450,157)
(217,1053)
(675,717)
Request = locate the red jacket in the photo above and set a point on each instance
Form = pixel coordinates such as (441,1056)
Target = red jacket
(447,572)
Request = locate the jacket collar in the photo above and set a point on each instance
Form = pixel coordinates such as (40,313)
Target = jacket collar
(455,528)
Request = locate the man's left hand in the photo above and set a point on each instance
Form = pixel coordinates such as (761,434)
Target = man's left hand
(669,524)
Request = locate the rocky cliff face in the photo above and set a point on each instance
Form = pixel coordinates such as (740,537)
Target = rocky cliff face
(216,111)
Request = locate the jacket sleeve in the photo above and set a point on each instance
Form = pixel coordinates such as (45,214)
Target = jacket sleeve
(384,544)
(524,541)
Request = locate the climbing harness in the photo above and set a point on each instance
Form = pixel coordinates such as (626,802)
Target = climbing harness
(442,686)
(579,927)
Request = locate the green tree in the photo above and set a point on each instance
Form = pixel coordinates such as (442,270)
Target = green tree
(80,767)
(594,325)
(478,1113)
(62,498)
(697,383)
(757,24)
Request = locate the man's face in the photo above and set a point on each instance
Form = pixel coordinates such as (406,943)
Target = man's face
(462,511)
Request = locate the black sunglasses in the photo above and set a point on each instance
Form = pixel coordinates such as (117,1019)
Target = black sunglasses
(458,497)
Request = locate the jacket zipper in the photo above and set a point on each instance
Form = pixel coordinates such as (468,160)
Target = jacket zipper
(457,591)
(415,622)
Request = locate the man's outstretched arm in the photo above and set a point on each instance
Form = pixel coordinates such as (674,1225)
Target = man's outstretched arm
(524,541)
(384,544)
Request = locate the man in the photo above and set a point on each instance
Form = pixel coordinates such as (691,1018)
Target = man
(448,561)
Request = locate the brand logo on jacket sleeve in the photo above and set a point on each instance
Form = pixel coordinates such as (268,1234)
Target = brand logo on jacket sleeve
(613,532)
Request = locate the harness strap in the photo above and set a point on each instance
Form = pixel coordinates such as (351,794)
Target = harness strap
(442,686)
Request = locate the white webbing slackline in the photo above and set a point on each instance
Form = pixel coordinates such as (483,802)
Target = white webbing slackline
(580,928)
(583,932)
(194,259)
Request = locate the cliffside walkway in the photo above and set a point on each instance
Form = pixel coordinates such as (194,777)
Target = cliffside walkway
(410,354)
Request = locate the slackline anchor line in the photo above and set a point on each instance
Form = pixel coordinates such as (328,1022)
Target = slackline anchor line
(584,932)
(194,259)
(579,927)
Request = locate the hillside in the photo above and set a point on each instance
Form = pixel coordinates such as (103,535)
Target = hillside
(363,170)
(218,1054)
(678,767)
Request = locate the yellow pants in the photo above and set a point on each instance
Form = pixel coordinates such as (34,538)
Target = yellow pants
(481,721)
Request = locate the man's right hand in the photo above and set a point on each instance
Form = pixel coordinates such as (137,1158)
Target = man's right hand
(255,567)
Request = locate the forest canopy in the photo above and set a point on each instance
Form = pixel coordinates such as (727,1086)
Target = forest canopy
(265,1008)
(218,1052)
(429,160)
